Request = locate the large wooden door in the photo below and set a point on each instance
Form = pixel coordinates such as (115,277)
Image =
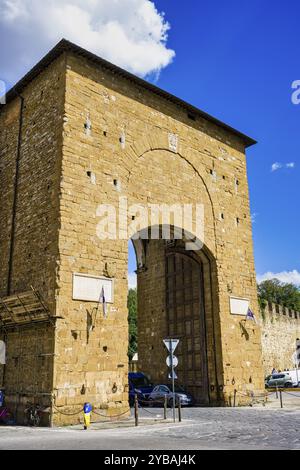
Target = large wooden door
(186,321)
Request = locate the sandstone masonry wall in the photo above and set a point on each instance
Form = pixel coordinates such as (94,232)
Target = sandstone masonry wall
(118,142)
(92,136)
(29,369)
(280,330)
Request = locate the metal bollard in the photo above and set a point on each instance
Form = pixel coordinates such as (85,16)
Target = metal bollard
(165,407)
(234,398)
(281,402)
(136,410)
(179,411)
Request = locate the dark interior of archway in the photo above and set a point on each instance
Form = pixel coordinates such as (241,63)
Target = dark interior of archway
(170,303)
(186,321)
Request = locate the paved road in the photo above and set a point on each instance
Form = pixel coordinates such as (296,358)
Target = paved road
(214,428)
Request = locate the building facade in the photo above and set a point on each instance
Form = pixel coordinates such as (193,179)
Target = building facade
(77,135)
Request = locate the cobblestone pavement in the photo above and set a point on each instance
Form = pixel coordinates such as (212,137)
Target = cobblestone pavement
(241,428)
(202,428)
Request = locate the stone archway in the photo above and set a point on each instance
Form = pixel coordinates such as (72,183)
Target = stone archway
(142,151)
(160,176)
(176,298)
(185,315)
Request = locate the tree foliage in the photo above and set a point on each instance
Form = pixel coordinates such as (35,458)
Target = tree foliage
(132,320)
(285,294)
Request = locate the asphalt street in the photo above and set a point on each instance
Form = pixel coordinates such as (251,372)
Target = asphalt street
(202,428)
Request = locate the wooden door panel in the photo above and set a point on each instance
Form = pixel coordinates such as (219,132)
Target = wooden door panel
(187,322)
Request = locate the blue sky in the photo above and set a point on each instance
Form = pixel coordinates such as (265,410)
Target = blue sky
(235,60)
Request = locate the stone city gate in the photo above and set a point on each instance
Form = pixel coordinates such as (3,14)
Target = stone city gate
(77,134)
(176,300)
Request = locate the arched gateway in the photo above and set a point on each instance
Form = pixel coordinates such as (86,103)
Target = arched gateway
(90,156)
(172,303)
(186,320)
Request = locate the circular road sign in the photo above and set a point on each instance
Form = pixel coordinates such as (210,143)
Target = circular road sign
(169,361)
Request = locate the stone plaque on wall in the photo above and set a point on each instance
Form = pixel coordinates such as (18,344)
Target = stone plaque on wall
(239,306)
(173,142)
(2,353)
(89,288)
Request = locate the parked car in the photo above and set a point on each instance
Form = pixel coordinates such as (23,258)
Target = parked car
(139,385)
(267,380)
(287,379)
(295,376)
(161,391)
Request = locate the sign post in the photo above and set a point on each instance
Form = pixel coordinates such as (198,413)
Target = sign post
(172,362)
(297,360)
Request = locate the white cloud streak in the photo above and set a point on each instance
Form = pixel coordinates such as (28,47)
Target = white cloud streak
(277,166)
(254,217)
(129,33)
(284,276)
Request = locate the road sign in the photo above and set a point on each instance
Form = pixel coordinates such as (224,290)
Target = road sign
(171,344)
(170,363)
(173,376)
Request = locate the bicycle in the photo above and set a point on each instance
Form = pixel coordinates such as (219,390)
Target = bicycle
(34,414)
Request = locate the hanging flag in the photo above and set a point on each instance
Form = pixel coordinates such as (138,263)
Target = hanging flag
(250,316)
(103,302)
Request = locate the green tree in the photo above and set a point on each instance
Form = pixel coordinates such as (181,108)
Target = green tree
(285,294)
(132,320)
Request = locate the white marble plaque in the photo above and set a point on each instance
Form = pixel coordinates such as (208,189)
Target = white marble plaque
(173,142)
(239,306)
(89,288)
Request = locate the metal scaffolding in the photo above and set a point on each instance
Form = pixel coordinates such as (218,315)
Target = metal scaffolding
(23,309)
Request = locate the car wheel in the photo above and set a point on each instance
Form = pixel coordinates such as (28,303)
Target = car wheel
(288,385)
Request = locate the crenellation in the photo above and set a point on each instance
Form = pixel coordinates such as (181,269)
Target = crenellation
(280,330)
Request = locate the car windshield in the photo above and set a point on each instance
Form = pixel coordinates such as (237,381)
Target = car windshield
(140,382)
(164,388)
(281,376)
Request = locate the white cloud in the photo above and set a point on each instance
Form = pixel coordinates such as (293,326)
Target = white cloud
(129,33)
(254,217)
(284,276)
(132,280)
(277,166)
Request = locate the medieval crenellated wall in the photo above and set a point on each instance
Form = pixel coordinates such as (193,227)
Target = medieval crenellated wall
(280,330)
